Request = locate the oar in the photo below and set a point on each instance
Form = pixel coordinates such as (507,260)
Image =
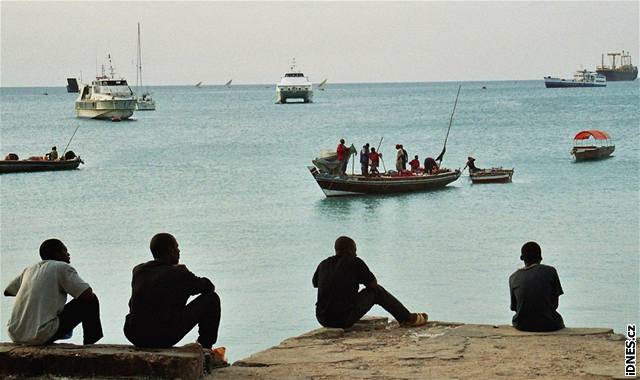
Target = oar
(378,150)
(74,133)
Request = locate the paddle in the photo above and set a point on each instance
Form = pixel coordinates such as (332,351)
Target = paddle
(444,148)
(380,154)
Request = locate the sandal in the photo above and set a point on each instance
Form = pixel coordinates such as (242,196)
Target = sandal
(420,320)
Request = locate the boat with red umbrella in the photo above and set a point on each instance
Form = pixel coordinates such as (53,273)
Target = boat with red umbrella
(592,144)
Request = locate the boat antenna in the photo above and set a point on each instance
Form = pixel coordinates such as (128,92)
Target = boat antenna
(444,148)
(74,133)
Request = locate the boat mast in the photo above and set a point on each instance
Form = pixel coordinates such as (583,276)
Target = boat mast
(139,68)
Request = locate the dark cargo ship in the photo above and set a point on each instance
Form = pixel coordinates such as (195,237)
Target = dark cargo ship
(625,72)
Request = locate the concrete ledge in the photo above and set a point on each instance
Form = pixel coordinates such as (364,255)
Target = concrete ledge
(101,360)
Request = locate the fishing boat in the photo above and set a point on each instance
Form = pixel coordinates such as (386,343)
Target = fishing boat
(228,84)
(581,78)
(199,84)
(493,175)
(38,164)
(322,85)
(592,145)
(144,102)
(294,85)
(106,98)
(333,185)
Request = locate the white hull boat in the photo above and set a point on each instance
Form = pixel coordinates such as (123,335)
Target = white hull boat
(294,85)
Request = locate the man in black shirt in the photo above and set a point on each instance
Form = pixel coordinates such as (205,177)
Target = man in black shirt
(340,304)
(159,315)
(535,290)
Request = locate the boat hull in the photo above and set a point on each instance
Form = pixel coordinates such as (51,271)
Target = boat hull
(592,153)
(497,175)
(283,95)
(617,76)
(106,109)
(24,166)
(561,83)
(332,185)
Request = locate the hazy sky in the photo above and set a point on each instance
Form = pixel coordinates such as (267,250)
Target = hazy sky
(253,42)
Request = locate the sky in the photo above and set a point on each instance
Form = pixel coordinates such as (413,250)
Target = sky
(43,43)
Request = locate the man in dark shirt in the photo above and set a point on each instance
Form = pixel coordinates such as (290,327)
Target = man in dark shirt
(340,304)
(535,290)
(159,315)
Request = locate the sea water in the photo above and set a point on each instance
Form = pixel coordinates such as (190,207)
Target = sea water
(225,171)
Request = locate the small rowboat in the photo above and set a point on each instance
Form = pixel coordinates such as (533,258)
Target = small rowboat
(38,165)
(338,185)
(583,149)
(493,175)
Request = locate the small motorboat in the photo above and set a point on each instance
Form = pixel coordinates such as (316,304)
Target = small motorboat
(592,145)
(493,175)
(38,164)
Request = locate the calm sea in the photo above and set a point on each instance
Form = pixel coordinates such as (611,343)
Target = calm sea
(224,170)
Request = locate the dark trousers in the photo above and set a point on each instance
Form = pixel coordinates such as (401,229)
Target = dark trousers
(343,165)
(365,300)
(76,312)
(203,311)
(364,168)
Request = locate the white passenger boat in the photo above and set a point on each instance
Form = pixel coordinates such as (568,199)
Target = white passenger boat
(144,102)
(106,98)
(294,85)
(582,78)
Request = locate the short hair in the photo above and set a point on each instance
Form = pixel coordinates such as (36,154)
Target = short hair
(343,244)
(160,243)
(341,141)
(50,247)
(53,148)
(531,252)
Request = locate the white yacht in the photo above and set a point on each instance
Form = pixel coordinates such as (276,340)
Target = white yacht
(144,102)
(294,85)
(106,98)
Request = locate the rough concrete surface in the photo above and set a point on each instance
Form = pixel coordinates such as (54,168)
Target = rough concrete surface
(439,350)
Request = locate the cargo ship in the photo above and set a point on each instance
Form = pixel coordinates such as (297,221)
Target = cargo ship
(624,72)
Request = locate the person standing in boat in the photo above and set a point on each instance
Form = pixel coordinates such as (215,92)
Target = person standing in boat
(535,291)
(374,159)
(399,158)
(405,158)
(53,155)
(471,164)
(340,304)
(415,164)
(364,159)
(159,315)
(430,165)
(342,152)
(41,314)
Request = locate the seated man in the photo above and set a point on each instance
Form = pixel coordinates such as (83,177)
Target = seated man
(40,315)
(53,155)
(340,304)
(415,164)
(535,290)
(159,315)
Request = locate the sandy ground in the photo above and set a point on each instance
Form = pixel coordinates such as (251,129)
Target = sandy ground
(377,349)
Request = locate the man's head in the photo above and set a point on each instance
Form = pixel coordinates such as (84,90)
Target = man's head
(54,249)
(416,156)
(53,148)
(164,248)
(345,246)
(341,141)
(373,149)
(531,253)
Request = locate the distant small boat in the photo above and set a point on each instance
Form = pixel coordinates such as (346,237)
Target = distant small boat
(199,84)
(585,148)
(45,93)
(144,102)
(38,164)
(493,175)
(322,84)
(228,84)
(582,78)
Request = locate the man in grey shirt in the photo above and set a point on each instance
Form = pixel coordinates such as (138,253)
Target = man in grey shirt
(535,290)
(40,314)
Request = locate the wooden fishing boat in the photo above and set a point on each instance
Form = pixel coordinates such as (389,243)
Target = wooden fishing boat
(585,147)
(338,185)
(38,165)
(493,175)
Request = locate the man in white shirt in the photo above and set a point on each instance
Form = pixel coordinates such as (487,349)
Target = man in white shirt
(40,314)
